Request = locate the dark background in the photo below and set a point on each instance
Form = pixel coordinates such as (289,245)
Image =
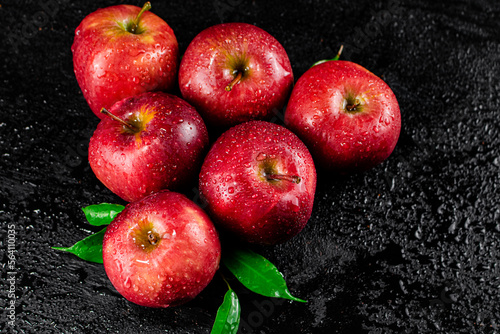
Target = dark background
(412,246)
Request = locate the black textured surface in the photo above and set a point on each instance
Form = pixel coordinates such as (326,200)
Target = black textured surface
(412,246)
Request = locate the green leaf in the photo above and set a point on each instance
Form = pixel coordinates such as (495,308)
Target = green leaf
(102,214)
(89,249)
(257,273)
(227,320)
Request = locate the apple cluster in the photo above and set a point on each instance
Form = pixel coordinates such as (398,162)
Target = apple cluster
(258,179)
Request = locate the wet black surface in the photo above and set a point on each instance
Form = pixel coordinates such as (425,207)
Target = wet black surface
(412,246)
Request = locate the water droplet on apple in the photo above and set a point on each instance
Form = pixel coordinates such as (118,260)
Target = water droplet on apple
(127,283)
(230,190)
(134,51)
(261,156)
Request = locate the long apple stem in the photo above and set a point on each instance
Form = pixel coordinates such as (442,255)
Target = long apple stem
(116,118)
(135,23)
(291,178)
(234,82)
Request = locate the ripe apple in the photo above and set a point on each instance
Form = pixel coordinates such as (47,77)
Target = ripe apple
(347,116)
(161,251)
(121,51)
(258,181)
(150,142)
(235,72)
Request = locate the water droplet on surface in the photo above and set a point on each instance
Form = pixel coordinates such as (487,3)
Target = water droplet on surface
(127,283)
(261,156)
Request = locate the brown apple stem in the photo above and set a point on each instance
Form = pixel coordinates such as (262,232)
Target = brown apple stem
(152,239)
(234,82)
(352,107)
(339,53)
(135,23)
(116,118)
(291,178)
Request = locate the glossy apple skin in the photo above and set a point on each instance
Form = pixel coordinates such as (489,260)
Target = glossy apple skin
(341,141)
(111,64)
(166,155)
(208,66)
(238,196)
(185,258)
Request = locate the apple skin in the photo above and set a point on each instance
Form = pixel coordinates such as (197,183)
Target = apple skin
(176,266)
(213,59)
(111,64)
(166,154)
(340,140)
(239,196)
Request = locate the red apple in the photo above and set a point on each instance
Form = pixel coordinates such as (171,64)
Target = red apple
(347,116)
(258,181)
(150,142)
(161,251)
(235,72)
(121,51)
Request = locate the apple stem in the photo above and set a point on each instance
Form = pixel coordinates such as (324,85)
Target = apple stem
(352,107)
(333,59)
(135,23)
(152,239)
(234,82)
(294,178)
(337,57)
(116,118)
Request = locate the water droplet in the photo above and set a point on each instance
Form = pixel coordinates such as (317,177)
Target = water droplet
(261,156)
(127,283)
